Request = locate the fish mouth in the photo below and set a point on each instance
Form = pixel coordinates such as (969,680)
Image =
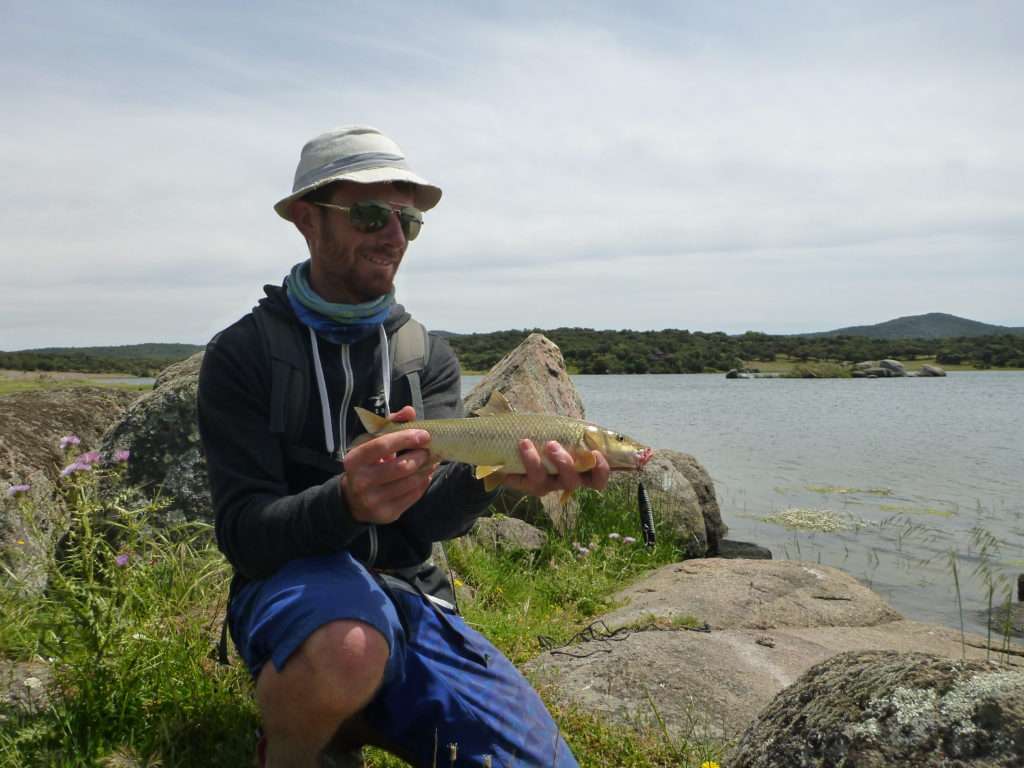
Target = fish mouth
(642,457)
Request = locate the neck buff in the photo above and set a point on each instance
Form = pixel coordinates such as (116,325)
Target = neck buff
(338,323)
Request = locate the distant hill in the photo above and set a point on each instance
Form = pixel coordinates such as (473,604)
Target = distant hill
(934,325)
(128,351)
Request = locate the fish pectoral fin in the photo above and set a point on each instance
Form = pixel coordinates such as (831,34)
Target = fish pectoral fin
(584,462)
(484,470)
(372,423)
(493,480)
(496,405)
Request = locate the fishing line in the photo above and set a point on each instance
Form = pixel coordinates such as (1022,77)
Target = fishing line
(599,632)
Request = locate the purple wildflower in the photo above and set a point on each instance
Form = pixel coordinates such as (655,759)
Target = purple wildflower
(121,560)
(76,466)
(89,458)
(614,536)
(583,551)
(122,456)
(628,540)
(20,488)
(69,440)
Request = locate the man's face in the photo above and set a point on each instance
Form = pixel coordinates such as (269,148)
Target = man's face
(351,266)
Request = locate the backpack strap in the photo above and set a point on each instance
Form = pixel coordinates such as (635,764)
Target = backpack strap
(410,350)
(289,373)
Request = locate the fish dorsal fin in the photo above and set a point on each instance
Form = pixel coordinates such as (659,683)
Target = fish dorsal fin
(483,470)
(496,405)
(372,423)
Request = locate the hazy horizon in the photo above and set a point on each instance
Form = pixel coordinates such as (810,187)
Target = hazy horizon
(781,167)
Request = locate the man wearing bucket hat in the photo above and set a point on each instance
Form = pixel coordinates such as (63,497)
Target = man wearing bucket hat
(330,543)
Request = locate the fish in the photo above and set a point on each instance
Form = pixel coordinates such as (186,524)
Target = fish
(490,441)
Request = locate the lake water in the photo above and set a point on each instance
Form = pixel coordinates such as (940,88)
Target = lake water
(917,469)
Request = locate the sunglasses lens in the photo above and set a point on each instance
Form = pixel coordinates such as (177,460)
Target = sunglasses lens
(372,216)
(369,217)
(411,220)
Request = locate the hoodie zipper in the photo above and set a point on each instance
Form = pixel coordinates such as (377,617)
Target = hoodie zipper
(346,401)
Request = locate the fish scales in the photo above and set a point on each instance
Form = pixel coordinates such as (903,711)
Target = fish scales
(494,440)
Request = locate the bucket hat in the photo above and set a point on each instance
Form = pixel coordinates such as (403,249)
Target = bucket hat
(356,153)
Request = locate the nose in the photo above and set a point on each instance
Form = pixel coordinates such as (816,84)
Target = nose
(392,232)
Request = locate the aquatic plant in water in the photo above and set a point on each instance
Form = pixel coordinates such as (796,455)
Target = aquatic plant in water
(820,520)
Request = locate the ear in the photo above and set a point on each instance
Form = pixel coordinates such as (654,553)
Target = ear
(306,218)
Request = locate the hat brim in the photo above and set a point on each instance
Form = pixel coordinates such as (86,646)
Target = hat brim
(426,195)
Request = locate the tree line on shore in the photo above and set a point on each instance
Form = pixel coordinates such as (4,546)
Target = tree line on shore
(591,351)
(680,351)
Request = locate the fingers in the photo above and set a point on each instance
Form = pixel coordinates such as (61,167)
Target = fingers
(386,475)
(408,413)
(554,469)
(385,446)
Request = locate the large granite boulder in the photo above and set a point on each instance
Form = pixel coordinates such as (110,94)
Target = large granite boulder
(162,432)
(751,594)
(932,370)
(533,379)
(32,424)
(872,709)
(759,626)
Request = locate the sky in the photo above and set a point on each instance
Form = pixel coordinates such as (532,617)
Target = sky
(778,166)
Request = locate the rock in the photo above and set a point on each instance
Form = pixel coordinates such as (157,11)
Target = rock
(674,502)
(770,621)
(865,365)
(931,370)
(162,433)
(32,424)
(714,527)
(735,550)
(751,594)
(895,367)
(532,377)
(881,708)
(29,535)
(24,687)
(505,533)
(732,374)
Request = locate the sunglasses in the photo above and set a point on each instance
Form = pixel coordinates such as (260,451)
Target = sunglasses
(373,215)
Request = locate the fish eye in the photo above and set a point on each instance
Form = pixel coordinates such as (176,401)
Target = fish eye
(620,438)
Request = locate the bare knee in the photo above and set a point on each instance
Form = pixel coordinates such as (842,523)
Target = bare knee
(332,675)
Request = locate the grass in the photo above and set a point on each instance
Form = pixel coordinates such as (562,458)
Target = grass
(11,384)
(131,613)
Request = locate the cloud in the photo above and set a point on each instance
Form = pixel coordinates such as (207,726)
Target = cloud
(776,169)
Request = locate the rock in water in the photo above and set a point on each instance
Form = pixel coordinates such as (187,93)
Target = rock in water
(869,709)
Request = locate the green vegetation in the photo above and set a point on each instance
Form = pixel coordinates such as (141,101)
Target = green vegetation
(673,351)
(7,386)
(132,611)
(135,359)
(589,351)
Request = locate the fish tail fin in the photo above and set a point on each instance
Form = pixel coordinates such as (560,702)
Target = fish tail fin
(372,423)
(565,498)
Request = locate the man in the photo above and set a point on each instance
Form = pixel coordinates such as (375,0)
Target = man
(335,607)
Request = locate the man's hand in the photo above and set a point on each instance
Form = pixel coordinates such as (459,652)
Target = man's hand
(378,483)
(537,482)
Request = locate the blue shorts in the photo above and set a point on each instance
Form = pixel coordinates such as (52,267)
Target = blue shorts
(444,683)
